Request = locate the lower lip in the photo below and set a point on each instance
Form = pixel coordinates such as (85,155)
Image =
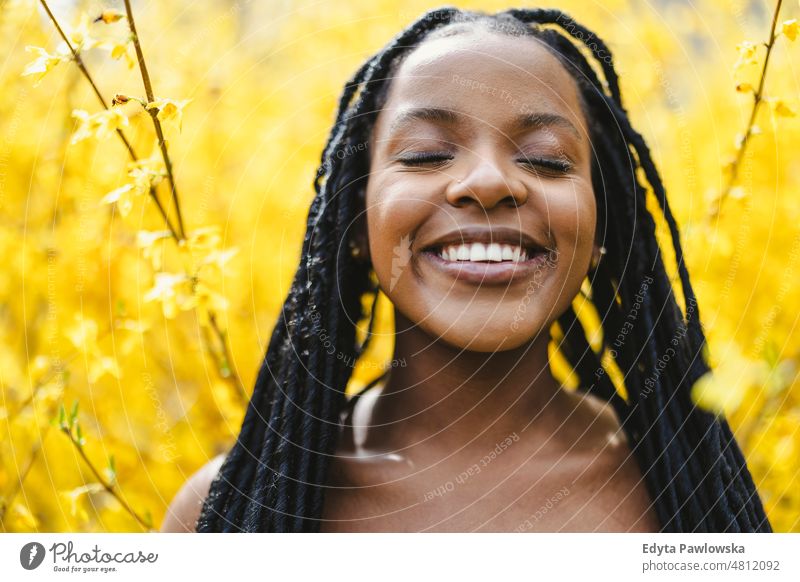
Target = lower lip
(489,273)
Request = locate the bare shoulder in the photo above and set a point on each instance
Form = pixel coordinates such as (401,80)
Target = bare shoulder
(185,508)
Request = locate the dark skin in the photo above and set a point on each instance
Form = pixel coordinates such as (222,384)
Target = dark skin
(419,452)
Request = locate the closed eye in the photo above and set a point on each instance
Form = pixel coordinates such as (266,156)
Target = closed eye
(554,165)
(425,159)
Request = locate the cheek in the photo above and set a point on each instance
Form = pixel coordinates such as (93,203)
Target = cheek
(392,217)
(572,215)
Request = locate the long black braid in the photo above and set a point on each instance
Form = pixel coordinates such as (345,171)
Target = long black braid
(273,479)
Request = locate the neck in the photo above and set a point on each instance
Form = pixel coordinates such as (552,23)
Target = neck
(456,398)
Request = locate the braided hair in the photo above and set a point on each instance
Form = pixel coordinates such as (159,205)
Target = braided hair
(273,479)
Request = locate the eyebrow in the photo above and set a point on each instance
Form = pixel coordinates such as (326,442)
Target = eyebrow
(449,117)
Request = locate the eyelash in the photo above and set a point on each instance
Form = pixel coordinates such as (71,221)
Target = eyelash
(423,158)
(435,160)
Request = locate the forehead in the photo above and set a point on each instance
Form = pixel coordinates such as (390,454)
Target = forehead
(492,78)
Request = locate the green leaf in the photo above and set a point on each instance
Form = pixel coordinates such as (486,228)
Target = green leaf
(112,470)
(79,431)
(73,414)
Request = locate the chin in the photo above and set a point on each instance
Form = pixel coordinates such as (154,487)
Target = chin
(496,336)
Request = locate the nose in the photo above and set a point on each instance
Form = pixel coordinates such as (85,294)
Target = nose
(488,185)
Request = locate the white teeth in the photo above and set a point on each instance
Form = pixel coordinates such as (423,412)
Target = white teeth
(477,252)
(494,252)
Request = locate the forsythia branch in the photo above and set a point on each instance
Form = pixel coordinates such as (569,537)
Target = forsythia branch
(154,114)
(757,101)
(77,57)
(179,234)
(69,425)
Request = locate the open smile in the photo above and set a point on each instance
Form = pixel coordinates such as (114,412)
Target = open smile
(489,264)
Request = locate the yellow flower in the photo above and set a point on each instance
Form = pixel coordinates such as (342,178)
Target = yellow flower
(722,390)
(747,54)
(203,240)
(43,64)
(109,16)
(218,259)
(83,334)
(789,28)
(73,499)
(146,240)
(119,49)
(208,300)
(123,196)
(100,125)
(79,35)
(174,292)
(144,173)
(744,88)
(100,365)
(779,107)
(22,517)
(169,109)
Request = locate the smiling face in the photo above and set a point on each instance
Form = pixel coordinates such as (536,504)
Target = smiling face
(480,208)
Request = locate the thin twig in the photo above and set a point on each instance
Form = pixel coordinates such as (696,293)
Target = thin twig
(148,87)
(105,484)
(77,58)
(226,355)
(757,101)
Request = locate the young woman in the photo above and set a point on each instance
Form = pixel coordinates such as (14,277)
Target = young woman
(480,169)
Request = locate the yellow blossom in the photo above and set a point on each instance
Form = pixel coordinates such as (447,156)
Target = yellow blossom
(100,365)
(146,240)
(120,48)
(43,64)
(747,54)
(169,109)
(73,499)
(109,16)
(218,258)
(174,292)
(83,334)
(79,36)
(789,28)
(22,516)
(203,240)
(100,125)
(779,107)
(123,196)
(208,300)
(737,193)
(722,390)
(144,173)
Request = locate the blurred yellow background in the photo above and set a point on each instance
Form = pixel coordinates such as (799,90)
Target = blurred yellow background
(97,304)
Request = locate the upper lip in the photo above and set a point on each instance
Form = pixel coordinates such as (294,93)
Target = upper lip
(483,234)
